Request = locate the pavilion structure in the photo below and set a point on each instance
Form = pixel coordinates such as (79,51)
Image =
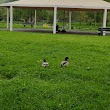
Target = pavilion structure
(56,5)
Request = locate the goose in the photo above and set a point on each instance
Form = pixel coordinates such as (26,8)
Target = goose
(65,62)
(45,64)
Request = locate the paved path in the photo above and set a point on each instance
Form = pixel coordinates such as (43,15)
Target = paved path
(51,31)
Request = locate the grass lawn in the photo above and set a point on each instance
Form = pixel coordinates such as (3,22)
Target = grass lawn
(25,85)
(75,26)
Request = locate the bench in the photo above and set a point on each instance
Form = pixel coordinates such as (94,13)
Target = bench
(28,23)
(101,30)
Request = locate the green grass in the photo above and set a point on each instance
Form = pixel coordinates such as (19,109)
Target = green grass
(25,85)
(20,25)
(75,26)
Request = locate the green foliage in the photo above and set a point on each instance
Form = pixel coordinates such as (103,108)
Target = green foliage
(107,0)
(25,85)
(4,1)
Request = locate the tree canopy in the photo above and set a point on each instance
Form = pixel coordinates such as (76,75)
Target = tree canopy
(4,1)
(107,0)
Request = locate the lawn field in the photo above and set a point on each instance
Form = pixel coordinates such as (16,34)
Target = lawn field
(25,85)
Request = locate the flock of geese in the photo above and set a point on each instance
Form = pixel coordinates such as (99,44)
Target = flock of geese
(63,63)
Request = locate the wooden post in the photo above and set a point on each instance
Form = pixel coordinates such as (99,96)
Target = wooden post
(104,20)
(7,18)
(55,19)
(11,18)
(35,20)
(70,20)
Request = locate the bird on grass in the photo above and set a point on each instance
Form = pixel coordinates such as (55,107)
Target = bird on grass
(45,64)
(65,62)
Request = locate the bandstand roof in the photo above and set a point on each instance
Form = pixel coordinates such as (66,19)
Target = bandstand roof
(67,4)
